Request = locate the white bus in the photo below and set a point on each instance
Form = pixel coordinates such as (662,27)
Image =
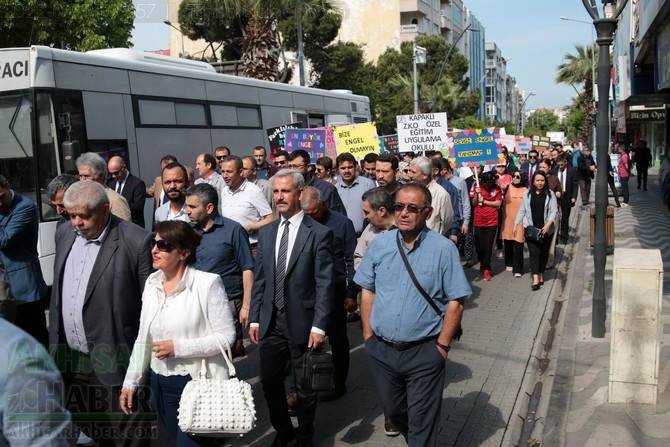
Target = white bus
(56,104)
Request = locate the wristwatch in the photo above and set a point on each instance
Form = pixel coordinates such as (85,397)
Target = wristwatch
(445,348)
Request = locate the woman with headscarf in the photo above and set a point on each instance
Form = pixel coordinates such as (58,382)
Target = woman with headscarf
(538,209)
(513,243)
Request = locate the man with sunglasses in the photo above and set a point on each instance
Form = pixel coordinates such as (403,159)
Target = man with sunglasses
(406,341)
(132,188)
(100,268)
(531,165)
(281,159)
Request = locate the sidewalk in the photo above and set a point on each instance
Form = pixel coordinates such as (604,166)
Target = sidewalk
(578,413)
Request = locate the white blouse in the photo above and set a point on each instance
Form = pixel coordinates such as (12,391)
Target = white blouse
(178,316)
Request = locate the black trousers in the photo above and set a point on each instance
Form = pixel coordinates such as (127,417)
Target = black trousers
(31,318)
(538,253)
(615,193)
(410,385)
(514,255)
(566,208)
(95,406)
(274,349)
(337,336)
(642,177)
(484,238)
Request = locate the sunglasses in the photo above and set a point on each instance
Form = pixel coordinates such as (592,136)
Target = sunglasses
(405,171)
(162,245)
(413,209)
(220,157)
(516,176)
(532,157)
(280,163)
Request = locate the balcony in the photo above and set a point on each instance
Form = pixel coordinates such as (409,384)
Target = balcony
(416,6)
(446,22)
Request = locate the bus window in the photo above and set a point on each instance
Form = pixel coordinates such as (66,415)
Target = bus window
(16,144)
(48,160)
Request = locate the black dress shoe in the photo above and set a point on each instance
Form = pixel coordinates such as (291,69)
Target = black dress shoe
(541,283)
(284,442)
(535,286)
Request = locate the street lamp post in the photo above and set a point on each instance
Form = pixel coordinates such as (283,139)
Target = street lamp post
(301,52)
(446,58)
(593,59)
(605,29)
(168,23)
(418,57)
(523,111)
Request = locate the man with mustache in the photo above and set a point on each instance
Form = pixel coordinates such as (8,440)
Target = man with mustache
(174,178)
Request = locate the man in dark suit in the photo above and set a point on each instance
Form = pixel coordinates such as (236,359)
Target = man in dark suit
(292,303)
(642,159)
(20,262)
(530,166)
(130,187)
(568,177)
(99,274)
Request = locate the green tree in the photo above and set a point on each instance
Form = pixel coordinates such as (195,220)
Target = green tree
(543,120)
(80,25)
(578,69)
(249,25)
(393,83)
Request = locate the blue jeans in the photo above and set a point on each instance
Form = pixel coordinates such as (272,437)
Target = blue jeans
(624,188)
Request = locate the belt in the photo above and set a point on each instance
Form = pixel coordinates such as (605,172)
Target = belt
(405,345)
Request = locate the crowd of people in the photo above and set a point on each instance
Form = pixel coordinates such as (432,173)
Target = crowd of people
(288,250)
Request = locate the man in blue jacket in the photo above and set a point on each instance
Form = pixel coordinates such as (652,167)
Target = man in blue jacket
(19,227)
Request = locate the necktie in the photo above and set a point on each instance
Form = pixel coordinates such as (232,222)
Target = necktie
(280,268)
(118,187)
(531,170)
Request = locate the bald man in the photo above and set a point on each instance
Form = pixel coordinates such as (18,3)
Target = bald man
(130,187)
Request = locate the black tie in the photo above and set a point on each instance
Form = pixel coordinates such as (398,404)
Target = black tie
(280,268)
(118,187)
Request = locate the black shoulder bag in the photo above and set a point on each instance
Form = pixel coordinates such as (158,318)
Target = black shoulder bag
(459,331)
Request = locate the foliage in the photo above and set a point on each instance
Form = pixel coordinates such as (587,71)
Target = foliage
(80,25)
(393,83)
(577,69)
(543,120)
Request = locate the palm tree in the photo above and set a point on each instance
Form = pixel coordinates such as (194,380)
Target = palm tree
(260,46)
(577,69)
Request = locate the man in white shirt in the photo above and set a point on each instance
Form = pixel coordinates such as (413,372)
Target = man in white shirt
(174,179)
(242,201)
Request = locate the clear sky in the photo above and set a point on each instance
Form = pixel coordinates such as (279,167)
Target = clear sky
(534,40)
(529,33)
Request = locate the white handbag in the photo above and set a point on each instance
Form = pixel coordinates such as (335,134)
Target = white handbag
(211,407)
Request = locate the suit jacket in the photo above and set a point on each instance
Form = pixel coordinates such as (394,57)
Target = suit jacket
(134,191)
(525,167)
(571,183)
(309,283)
(18,251)
(113,298)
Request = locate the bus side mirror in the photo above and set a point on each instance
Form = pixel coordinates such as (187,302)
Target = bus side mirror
(70,150)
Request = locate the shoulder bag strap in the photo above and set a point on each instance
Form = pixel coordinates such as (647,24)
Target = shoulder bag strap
(416,282)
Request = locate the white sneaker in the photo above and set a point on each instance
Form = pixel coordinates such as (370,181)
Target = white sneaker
(624,204)
(517,275)
(84,440)
(509,269)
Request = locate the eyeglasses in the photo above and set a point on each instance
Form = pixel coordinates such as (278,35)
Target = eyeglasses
(413,209)
(280,163)
(162,245)
(298,166)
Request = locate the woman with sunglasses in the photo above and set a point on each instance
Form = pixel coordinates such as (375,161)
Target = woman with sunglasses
(513,244)
(486,199)
(538,209)
(184,311)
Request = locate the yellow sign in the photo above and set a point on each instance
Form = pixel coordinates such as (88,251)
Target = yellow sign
(356,139)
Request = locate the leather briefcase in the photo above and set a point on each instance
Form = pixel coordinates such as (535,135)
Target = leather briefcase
(318,371)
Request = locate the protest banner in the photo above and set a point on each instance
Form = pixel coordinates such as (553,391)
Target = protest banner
(356,139)
(277,136)
(523,145)
(422,132)
(509,141)
(331,147)
(473,147)
(311,140)
(540,144)
(389,143)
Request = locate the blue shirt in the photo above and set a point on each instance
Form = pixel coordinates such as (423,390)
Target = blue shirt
(344,245)
(352,198)
(399,312)
(455,204)
(224,250)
